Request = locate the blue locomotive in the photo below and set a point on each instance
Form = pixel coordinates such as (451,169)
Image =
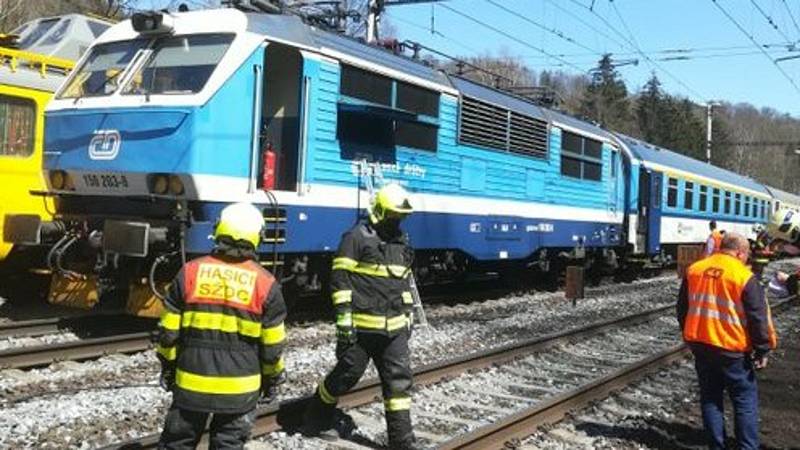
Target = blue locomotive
(168,117)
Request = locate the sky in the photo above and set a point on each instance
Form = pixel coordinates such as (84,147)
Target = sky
(694,48)
(724,63)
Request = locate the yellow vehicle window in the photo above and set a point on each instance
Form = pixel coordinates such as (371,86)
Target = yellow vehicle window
(17,126)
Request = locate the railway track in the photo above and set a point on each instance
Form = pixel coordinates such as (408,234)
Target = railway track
(80,350)
(512,389)
(286,415)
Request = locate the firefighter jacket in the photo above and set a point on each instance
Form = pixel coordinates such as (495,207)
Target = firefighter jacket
(722,305)
(222,331)
(370,281)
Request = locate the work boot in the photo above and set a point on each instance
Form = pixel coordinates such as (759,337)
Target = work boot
(409,443)
(398,428)
(318,420)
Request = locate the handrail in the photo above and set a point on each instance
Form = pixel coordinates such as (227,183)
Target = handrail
(15,57)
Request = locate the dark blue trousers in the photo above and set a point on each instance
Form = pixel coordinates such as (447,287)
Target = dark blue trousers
(717,373)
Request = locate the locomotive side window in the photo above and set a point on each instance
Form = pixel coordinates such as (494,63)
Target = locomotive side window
(672,192)
(688,195)
(17,126)
(365,85)
(417,135)
(581,157)
(180,65)
(703,198)
(715,201)
(417,100)
(377,113)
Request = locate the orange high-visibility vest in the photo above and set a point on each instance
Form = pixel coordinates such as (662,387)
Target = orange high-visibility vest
(717,237)
(716,314)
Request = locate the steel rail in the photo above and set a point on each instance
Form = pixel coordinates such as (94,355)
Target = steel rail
(521,424)
(275,417)
(41,355)
(29,328)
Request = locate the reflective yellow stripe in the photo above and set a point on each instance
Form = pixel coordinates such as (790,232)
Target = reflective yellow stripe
(273,335)
(170,321)
(396,323)
(217,385)
(408,299)
(221,322)
(375,270)
(340,297)
(272,369)
(344,320)
(397,404)
(342,263)
(368,321)
(169,353)
(324,395)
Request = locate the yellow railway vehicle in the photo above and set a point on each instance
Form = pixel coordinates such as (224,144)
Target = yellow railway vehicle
(34,61)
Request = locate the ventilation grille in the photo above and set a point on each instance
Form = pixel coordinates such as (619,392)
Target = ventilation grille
(486,125)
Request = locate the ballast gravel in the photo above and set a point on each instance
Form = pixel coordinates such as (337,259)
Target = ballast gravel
(95,403)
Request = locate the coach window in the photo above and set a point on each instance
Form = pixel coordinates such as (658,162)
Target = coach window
(672,192)
(737,204)
(17,126)
(703,197)
(688,195)
(747,206)
(715,201)
(727,202)
(763,209)
(581,157)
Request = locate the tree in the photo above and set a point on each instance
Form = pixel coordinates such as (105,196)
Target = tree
(605,100)
(14,13)
(649,109)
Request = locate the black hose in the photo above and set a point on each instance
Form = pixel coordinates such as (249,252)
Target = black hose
(151,278)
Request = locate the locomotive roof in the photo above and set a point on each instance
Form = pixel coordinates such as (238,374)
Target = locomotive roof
(292,30)
(660,158)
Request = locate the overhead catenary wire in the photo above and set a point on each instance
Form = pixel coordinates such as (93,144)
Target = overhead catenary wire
(635,47)
(755,43)
(510,36)
(585,23)
(791,16)
(553,31)
(771,21)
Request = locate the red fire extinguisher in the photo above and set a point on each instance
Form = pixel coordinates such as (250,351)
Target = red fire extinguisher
(268,174)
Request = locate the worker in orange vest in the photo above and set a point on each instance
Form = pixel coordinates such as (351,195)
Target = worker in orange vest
(714,239)
(727,324)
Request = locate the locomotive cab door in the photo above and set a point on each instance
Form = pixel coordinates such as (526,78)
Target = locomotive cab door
(281,129)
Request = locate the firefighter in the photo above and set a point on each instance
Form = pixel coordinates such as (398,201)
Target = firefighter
(727,324)
(784,230)
(761,254)
(221,337)
(714,239)
(373,306)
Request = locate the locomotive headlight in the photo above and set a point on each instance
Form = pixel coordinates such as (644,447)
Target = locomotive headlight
(175,185)
(58,179)
(159,184)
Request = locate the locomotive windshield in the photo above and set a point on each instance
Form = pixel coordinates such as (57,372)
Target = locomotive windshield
(179,65)
(170,65)
(102,71)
